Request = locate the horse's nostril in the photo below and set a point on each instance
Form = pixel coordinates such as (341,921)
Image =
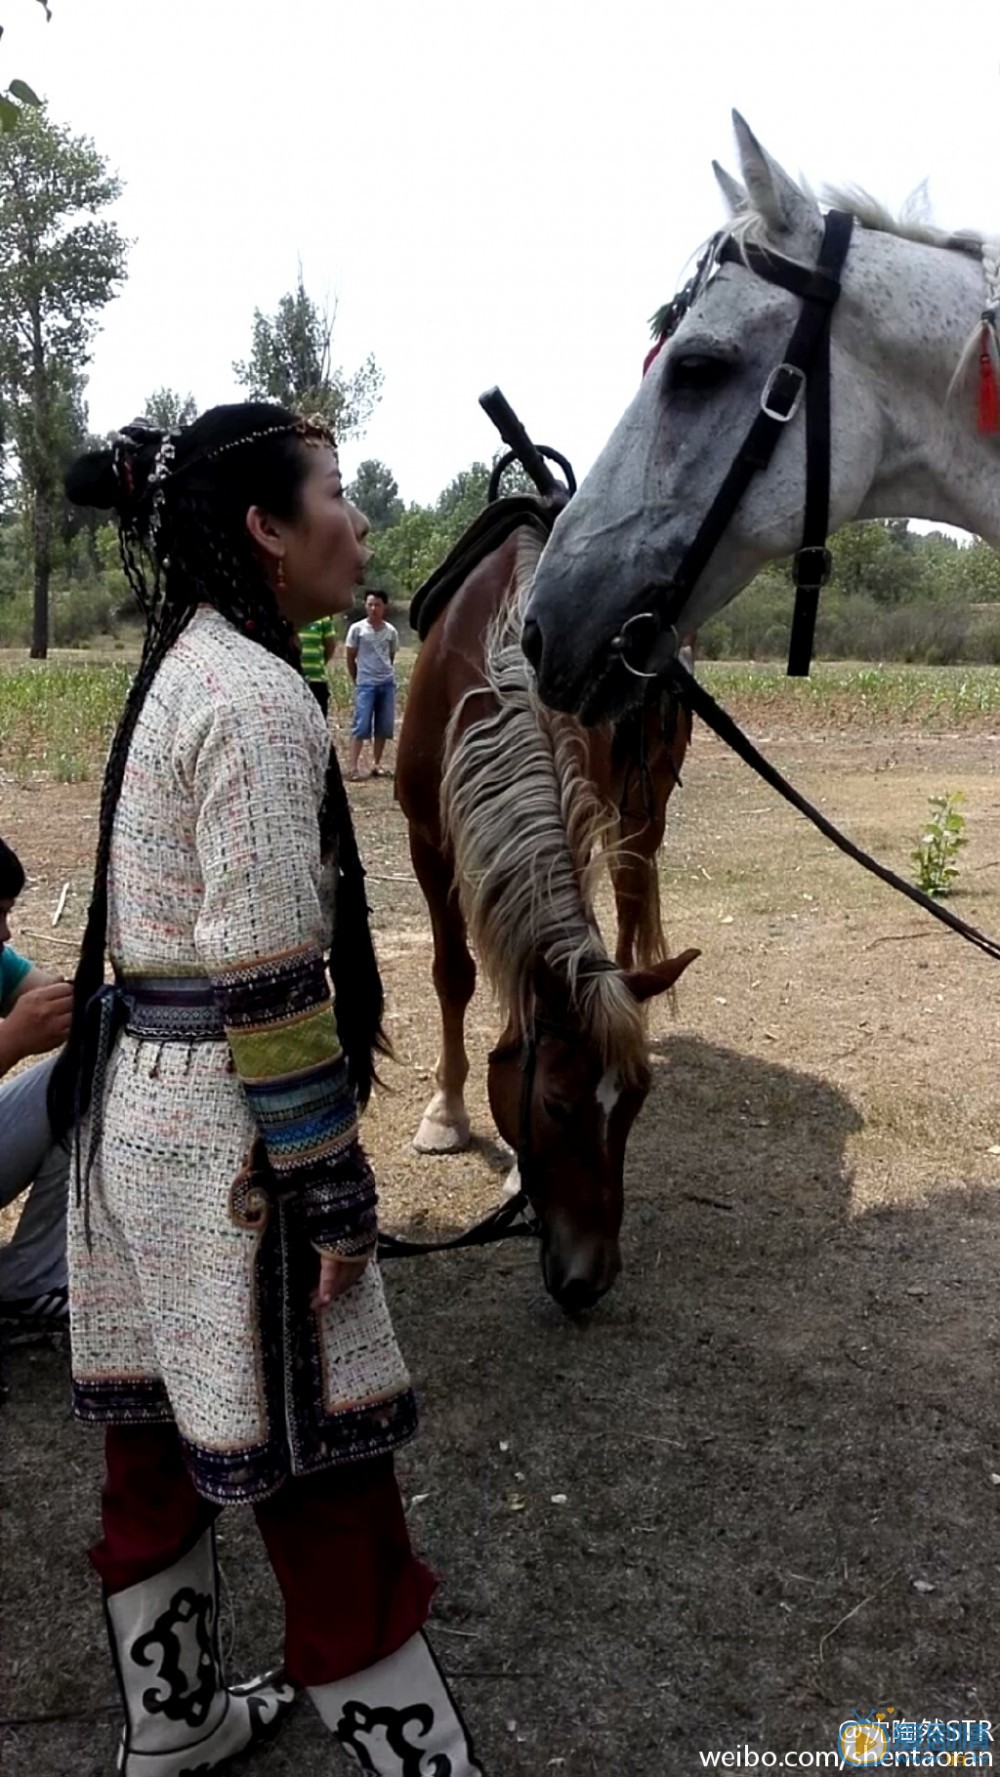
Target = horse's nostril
(531,642)
(577,1296)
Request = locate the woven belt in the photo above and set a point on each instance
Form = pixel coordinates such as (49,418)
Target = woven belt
(171,1009)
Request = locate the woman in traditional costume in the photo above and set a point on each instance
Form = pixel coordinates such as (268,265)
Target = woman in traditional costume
(229,1325)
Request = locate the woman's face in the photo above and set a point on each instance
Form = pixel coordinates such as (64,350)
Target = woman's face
(321,551)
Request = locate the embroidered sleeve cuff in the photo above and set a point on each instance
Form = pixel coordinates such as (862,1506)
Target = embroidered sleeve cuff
(339,1212)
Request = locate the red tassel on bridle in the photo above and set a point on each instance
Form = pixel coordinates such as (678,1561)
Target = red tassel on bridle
(652,352)
(989,395)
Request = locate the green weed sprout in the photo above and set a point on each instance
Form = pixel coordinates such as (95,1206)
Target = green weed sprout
(941,841)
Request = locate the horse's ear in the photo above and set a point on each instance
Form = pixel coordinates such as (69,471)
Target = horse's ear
(784,207)
(645,984)
(731,189)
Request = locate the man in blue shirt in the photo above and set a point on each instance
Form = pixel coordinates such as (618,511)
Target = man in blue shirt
(35,1009)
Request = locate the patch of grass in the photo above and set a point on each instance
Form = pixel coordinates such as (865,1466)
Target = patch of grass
(941,697)
(58,718)
(342,690)
(71,769)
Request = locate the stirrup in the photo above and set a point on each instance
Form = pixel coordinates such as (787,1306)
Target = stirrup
(399,1716)
(179,1714)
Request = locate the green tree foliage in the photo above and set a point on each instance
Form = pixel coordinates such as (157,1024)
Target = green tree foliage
(291,361)
(462,500)
(18,94)
(60,263)
(408,552)
(375,492)
(881,560)
(417,538)
(895,594)
(977,570)
(464,497)
(169,410)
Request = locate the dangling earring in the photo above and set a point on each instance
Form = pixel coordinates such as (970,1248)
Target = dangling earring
(281,574)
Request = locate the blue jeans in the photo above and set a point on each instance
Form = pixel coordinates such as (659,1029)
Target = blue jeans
(30,1160)
(374,711)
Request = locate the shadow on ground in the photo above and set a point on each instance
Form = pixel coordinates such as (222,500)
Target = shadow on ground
(782,1418)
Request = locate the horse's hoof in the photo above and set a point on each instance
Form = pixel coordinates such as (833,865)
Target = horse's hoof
(442,1138)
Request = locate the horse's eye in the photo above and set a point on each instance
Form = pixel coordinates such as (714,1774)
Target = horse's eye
(698,372)
(559,1112)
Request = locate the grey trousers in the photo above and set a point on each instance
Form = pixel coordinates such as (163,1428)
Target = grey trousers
(30,1160)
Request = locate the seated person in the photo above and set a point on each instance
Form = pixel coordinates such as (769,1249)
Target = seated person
(35,1010)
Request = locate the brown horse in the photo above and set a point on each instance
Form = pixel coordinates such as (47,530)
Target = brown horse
(510,808)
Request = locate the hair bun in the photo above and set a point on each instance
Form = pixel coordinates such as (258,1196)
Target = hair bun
(113,478)
(91,481)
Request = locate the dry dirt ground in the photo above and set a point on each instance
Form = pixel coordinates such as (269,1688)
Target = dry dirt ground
(777,1439)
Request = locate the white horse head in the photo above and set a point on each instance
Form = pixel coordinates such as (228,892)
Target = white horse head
(904,440)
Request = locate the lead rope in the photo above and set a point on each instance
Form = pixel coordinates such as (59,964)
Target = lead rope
(703,704)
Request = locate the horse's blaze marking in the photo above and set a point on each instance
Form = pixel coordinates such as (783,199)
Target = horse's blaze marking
(609,1091)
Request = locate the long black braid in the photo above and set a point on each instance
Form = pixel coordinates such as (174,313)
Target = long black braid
(181,506)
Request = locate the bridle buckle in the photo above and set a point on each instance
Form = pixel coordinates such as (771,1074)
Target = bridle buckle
(786,385)
(812,566)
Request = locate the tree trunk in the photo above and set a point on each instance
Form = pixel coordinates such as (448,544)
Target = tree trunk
(42,541)
(42,492)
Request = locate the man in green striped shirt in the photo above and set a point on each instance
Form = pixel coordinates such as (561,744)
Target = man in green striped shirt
(318,643)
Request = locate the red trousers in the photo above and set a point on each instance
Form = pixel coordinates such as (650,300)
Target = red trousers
(354,1591)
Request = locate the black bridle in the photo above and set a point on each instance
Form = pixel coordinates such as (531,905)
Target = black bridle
(527,1047)
(804,371)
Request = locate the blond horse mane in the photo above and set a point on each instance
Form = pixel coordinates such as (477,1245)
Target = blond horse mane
(749,229)
(911,224)
(524,824)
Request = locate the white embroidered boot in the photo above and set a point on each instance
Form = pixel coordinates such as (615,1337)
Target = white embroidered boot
(180,1719)
(399,1719)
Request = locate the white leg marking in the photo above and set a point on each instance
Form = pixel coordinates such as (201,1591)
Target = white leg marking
(511,1184)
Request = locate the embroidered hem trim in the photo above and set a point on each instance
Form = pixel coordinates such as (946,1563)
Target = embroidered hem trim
(241,1477)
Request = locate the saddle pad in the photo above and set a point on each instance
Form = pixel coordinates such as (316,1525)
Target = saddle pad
(484,535)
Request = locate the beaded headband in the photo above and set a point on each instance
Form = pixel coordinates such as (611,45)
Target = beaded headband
(312,429)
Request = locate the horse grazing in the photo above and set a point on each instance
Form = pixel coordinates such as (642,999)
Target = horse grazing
(507,806)
(649,548)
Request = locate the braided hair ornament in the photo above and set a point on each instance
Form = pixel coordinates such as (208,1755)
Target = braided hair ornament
(669,315)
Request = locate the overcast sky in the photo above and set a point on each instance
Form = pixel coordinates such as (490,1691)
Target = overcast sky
(493,193)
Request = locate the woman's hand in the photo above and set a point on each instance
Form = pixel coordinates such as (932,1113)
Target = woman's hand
(336,1276)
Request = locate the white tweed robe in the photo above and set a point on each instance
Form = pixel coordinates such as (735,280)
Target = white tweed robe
(180,1310)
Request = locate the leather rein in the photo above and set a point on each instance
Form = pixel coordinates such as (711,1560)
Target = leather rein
(513,1219)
